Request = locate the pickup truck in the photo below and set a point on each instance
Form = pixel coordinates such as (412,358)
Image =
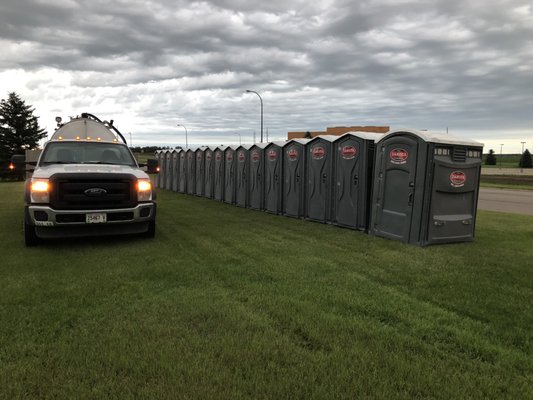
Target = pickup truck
(87,182)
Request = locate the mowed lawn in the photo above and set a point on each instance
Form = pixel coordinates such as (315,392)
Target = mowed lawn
(229,303)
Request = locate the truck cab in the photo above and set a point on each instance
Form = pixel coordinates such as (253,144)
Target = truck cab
(88,183)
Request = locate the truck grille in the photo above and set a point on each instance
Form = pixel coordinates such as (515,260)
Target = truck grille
(71,193)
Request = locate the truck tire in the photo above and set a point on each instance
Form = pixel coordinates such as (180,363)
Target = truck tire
(150,233)
(30,238)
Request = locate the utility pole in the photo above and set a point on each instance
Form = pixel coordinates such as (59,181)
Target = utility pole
(501,150)
(521,155)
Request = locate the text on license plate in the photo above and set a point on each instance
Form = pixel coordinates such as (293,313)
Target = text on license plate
(96,218)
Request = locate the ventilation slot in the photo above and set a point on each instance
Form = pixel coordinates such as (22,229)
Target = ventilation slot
(459,154)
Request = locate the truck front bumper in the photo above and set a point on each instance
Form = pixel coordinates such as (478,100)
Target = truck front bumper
(52,223)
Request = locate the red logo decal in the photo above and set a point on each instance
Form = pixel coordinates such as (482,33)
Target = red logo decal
(318,152)
(255,156)
(272,155)
(199,156)
(293,154)
(398,156)
(229,156)
(218,156)
(241,156)
(182,156)
(348,152)
(458,178)
(208,156)
(189,156)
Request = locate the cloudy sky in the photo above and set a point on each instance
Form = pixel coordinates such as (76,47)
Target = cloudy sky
(465,65)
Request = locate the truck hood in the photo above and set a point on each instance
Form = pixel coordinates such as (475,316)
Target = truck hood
(49,170)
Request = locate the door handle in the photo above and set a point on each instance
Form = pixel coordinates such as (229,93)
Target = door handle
(324,178)
(355,180)
(410,198)
(297,177)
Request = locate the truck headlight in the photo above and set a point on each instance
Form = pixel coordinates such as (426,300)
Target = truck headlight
(40,191)
(144,190)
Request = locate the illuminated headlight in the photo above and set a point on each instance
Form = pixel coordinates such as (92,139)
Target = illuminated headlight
(144,190)
(40,191)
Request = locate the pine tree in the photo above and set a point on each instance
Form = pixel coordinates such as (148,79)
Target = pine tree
(19,128)
(491,158)
(525,160)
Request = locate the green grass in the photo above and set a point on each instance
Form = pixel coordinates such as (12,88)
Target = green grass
(523,182)
(233,303)
(505,161)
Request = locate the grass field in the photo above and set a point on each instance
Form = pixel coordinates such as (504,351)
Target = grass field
(229,303)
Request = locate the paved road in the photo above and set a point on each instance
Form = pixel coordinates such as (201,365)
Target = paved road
(507,171)
(513,201)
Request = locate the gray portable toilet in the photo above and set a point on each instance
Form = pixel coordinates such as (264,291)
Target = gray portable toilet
(168,170)
(242,175)
(218,173)
(256,185)
(353,168)
(229,174)
(158,158)
(426,187)
(294,177)
(162,168)
(273,185)
(175,169)
(182,176)
(209,168)
(200,173)
(319,178)
(191,171)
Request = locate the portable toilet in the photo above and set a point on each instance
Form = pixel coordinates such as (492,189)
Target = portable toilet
(353,166)
(158,158)
(218,173)
(191,172)
(200,173)
(229,174)
(426,187)
(319,178)
(256,184)
(209,168)
(162,168)
(175,169)
(273,193)
(168,170)
(294,177)
(182,176)
(242,175)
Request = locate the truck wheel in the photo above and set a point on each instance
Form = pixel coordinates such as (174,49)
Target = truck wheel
(30,238)
(150,233)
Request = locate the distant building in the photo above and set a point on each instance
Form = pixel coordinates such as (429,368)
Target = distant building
(337,130)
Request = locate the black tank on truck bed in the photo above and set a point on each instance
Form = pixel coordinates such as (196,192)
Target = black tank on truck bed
(88,183)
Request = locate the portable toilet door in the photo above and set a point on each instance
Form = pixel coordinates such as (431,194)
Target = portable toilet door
(175,169)
(182,176)
(168,170)
(162,168)
(200,173)
(229,175)
(219,172)
(256,186)
(319,178)
(209,173)
(191,172)
(242,175)
(353,167)
(273,177)
(426,187)
(294,177)
(156,178)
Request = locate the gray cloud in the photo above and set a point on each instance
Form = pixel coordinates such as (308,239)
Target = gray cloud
(459,64)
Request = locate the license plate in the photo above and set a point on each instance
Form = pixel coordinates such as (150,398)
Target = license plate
(96,218)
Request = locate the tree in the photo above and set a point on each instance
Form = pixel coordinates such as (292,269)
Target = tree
(491,158)
(525,160)
(19,128)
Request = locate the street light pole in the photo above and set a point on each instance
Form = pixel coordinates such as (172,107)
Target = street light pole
(501,149)
(261,99)
(186,139)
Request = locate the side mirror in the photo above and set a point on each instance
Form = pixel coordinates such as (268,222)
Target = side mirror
(153,166)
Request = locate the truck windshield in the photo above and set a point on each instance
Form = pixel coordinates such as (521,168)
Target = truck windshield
(86,153)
